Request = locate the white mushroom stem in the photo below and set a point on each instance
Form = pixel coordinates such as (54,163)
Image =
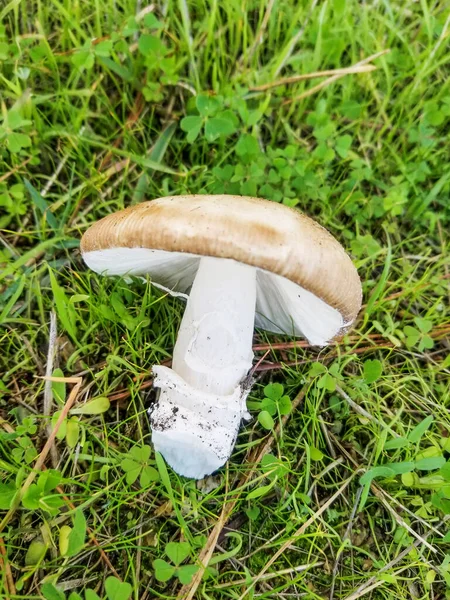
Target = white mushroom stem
(201,403)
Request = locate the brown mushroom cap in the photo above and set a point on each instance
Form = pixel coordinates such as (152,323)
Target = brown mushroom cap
(253,231)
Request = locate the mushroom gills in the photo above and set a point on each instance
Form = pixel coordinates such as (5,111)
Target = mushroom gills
(282,306)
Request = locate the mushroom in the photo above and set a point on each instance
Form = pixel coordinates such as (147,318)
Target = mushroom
(238,261)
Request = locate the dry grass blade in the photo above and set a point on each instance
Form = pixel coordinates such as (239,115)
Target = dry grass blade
(300,531)
(46,449)
(315,75)
(334,78)
(5,568)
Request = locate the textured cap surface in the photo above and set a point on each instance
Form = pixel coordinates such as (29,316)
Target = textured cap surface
(256,232)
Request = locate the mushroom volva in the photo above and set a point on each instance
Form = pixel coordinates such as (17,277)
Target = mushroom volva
(238,262)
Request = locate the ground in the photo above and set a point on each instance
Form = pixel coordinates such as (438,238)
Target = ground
(339,487)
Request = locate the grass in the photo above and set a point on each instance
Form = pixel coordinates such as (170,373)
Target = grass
(348,495)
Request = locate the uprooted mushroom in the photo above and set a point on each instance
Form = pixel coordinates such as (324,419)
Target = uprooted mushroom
(238,262)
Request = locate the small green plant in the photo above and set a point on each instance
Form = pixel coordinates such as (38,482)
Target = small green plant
(72,539)
(42,495)
(274,470)
(418,336)
(274,403)
(216,121)
(177,552)
(114,588)
(328,378)
(12,131)
(137,463)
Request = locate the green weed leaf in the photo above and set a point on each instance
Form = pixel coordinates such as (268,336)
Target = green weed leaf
(97,406)
(266,420)
(419,430)
(77,536)
(50,592)
(117,590)
(178,551)
(372,370)
(163,570)
(186,573)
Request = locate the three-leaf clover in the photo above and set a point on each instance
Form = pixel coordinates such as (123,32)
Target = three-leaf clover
(15,140)
(41,494)
(275,402)
(328,377)
(177,552)
(217,122)
(137,464)
(419,337)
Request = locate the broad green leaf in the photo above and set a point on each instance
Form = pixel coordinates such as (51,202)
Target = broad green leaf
(186,573)
(315,453)
(152,22)
(217,127)
(117,590)
(247,146)
(59,387)
(35,553)
(207,105)
(7,493)
(140,453)
(274,391)
(178,551)
(401,467)
(445,471)
(415,435)
(285,405)
(266,420)
(193,126)
(77,536)
(252,513)
(410,479)
(317,369)
(48,480)
(63,542)
(429,464)
(83,59)
(424,325)
(395,443)
(73,432)
(97,406)
(372,370)
(163,570)
(103,48)
(380,471)
(148,44)
(75,596)
(132,469)
(343,144)
(61,434)
(269,406)
(31,497)
(50,592)
(90,595)
(16,141)
(261,490)
(148,475)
